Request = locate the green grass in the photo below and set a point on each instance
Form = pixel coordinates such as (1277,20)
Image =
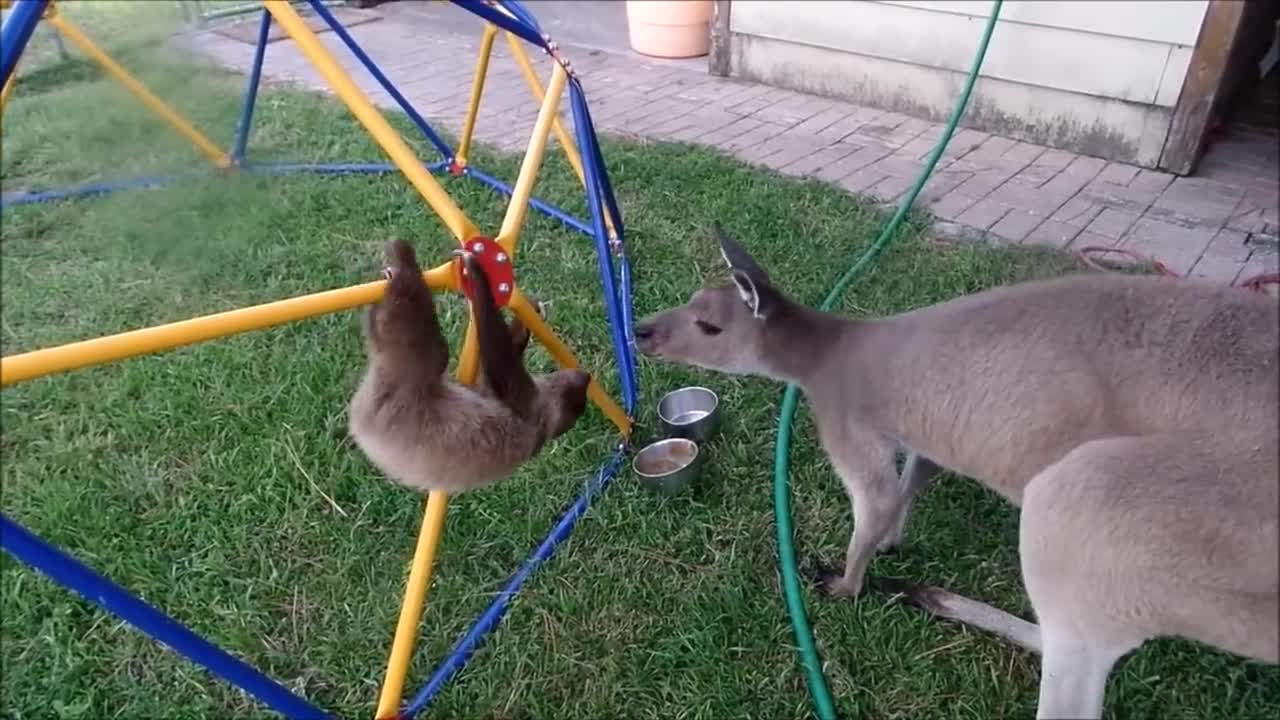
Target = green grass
(203,478)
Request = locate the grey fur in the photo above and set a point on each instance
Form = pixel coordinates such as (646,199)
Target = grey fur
(1132,419)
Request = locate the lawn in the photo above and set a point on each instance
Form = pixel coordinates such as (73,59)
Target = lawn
(209,480)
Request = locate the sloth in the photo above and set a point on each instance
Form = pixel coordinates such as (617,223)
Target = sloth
(428,432)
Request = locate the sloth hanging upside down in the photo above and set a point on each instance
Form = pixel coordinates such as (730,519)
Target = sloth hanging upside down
(429,432)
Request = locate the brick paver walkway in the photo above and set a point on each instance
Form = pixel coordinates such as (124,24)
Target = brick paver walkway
(985,186)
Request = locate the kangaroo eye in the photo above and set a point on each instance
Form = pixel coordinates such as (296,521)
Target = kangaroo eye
(707,328)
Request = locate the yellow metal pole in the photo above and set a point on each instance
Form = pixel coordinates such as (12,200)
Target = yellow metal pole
(386,136)
(477,89)
(563,137)
(110,348)
(419,583)
(415,596)
(535,87)
(469,357)
(518,207)
(524,310)
(8,86)
(153,103)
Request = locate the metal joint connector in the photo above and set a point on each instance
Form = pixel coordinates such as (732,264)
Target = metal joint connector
(553,49)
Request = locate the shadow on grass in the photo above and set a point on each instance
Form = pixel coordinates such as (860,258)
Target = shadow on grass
(60,74)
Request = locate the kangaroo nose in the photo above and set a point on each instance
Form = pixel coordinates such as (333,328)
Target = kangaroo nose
(643,332)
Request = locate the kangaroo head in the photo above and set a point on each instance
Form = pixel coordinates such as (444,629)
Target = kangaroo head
(722,327)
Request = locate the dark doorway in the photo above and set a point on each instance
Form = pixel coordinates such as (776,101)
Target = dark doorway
(1242,142)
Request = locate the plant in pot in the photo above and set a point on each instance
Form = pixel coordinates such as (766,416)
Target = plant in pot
(670,28)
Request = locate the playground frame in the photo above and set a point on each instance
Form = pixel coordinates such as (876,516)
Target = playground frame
(605,227)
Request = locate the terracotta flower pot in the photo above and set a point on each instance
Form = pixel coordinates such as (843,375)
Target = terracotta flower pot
(670,28)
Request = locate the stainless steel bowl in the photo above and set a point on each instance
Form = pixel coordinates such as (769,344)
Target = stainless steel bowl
(691,412)
(668,466)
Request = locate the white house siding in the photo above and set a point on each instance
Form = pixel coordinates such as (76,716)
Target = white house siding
(1094,77)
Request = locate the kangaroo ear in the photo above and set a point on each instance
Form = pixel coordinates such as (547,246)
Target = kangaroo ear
(737,258)
(753,295)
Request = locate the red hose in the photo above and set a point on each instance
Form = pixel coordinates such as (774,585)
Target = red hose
(1255,282)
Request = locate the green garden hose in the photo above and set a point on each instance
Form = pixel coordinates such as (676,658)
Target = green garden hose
(818,690)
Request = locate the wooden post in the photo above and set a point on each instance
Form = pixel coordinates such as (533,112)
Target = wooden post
(718,57)
(1200,88)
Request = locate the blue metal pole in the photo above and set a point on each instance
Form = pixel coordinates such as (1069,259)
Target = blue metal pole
(462,651)
(624,270)
(622,351)
(540,205)
(504,21)
(28,197)
(335,168)
(251,91)
(597,157)
(17,29)
(382,79)
(519,10)
(628,317)
(69,572)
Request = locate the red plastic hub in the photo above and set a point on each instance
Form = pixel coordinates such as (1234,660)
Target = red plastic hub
(497,267)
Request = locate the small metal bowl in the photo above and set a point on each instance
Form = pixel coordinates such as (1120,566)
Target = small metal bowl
(691,412)
(668,466)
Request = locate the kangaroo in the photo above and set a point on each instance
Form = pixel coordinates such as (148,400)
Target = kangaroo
(428,432)
(1133,420)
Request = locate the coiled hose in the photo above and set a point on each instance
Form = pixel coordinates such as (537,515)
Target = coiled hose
(818,690)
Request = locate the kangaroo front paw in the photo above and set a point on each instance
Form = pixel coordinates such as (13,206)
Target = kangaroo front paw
(831,581)
(890,545)
(836,585)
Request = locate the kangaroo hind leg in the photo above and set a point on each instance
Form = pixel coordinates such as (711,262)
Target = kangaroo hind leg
(1097,547)
(917,471)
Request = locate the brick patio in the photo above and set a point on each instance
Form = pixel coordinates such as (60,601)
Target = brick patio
(985,186)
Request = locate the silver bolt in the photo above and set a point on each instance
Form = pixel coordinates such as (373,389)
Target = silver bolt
(478,247)
(503,288)
(502,257)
